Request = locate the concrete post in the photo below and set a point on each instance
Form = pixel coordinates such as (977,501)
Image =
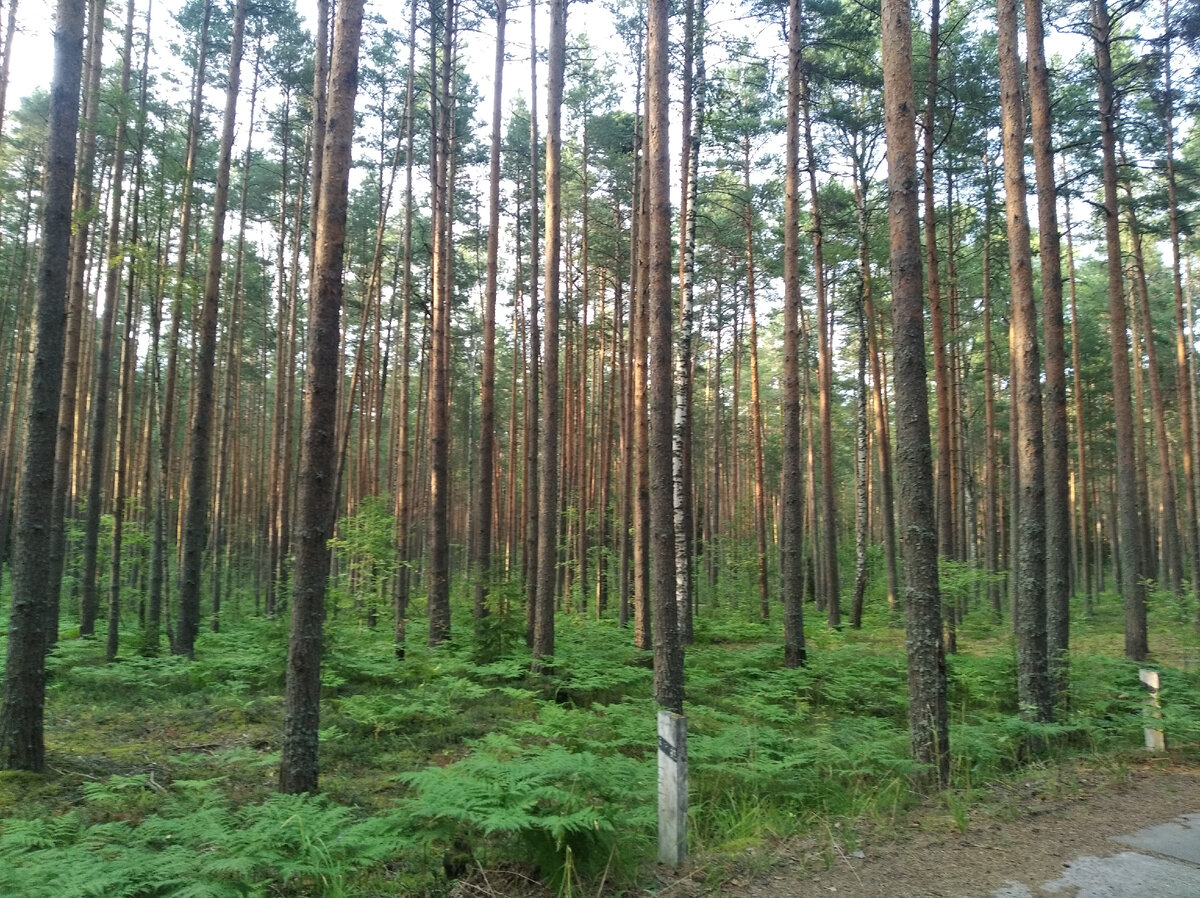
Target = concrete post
(1155,740)
(672,788)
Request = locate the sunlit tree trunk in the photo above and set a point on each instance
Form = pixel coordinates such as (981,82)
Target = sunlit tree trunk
(693,122)
(1057,475)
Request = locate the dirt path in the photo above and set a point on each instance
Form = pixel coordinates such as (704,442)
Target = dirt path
(1026,831)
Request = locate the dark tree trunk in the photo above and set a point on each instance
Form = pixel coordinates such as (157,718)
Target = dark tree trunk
(1133,588)
(791,529)
(298,767)
(549,435)
(668,649)
(199,474)
(22,746)
(487,388)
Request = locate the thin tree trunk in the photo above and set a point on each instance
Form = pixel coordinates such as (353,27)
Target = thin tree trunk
(760,506)
(404,460)
(1085,521)
(439,394)
(549,435)
(693,123)
(1128,505)
(1185,385)
(487,389)
(829,558)
(97,443)
(1171,573)
(83,211)
(941,365)
(196,525)
(791,528)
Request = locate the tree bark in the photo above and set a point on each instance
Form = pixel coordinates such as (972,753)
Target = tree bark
(791,529)
(1128,505)
(298,769)
(22,746)
(1029,515)
(199,474)
(941,364)
(549,436)
(668,648)
(928,724)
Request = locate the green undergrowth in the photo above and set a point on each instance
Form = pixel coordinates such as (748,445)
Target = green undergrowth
(162,770)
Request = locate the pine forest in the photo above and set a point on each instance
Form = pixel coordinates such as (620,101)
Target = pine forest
(403,406)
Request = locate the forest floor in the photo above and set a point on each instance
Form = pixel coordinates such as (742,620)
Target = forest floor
(1026,831)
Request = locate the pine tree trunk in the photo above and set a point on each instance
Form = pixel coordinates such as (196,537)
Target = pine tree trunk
(791,529)
(928,725)
(760,507)
(1128,505)
(668,648)
(829,557)
(1085,500)
(68,403)
(1171,568)
(197,520)
(1057,471)
(1029,515)
(693,123)
(941,365)
(1185,385)
(439,364)
(298,769)
(549,435)
(22,746)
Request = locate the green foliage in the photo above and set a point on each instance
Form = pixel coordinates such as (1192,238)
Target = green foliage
(168,766)
(557,804)
(197,844)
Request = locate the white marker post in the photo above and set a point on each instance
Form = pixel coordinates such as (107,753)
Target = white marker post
(1155,740)
(672,788)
